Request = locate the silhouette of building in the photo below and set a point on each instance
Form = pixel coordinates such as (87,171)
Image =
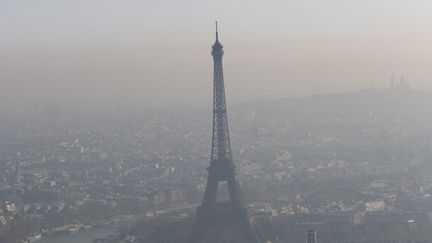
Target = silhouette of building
(311,236)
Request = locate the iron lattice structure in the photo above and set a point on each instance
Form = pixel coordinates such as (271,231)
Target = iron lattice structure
(215,217)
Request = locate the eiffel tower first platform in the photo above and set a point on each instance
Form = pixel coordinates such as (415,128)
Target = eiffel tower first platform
(225,221)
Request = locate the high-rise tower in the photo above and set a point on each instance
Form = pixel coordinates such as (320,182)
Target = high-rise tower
(228,220)
(311,236)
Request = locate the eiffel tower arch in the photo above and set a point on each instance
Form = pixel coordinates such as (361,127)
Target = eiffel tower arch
(227,221)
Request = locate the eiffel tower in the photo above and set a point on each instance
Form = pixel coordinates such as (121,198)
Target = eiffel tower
(226,221)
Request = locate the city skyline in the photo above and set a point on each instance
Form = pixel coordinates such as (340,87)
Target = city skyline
(114,121)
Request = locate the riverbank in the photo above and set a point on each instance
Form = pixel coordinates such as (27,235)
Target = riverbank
(82,236)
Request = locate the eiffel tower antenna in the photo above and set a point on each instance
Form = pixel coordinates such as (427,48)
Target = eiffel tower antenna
(217,34)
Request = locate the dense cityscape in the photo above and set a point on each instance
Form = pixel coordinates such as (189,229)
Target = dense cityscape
(352,166)
(215,121)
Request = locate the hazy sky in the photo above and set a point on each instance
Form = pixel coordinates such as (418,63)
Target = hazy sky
(157,53)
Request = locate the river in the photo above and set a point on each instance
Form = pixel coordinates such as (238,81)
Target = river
(87,236)
(82,236)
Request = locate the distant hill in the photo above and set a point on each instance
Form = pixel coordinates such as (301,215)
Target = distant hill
(364,107)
